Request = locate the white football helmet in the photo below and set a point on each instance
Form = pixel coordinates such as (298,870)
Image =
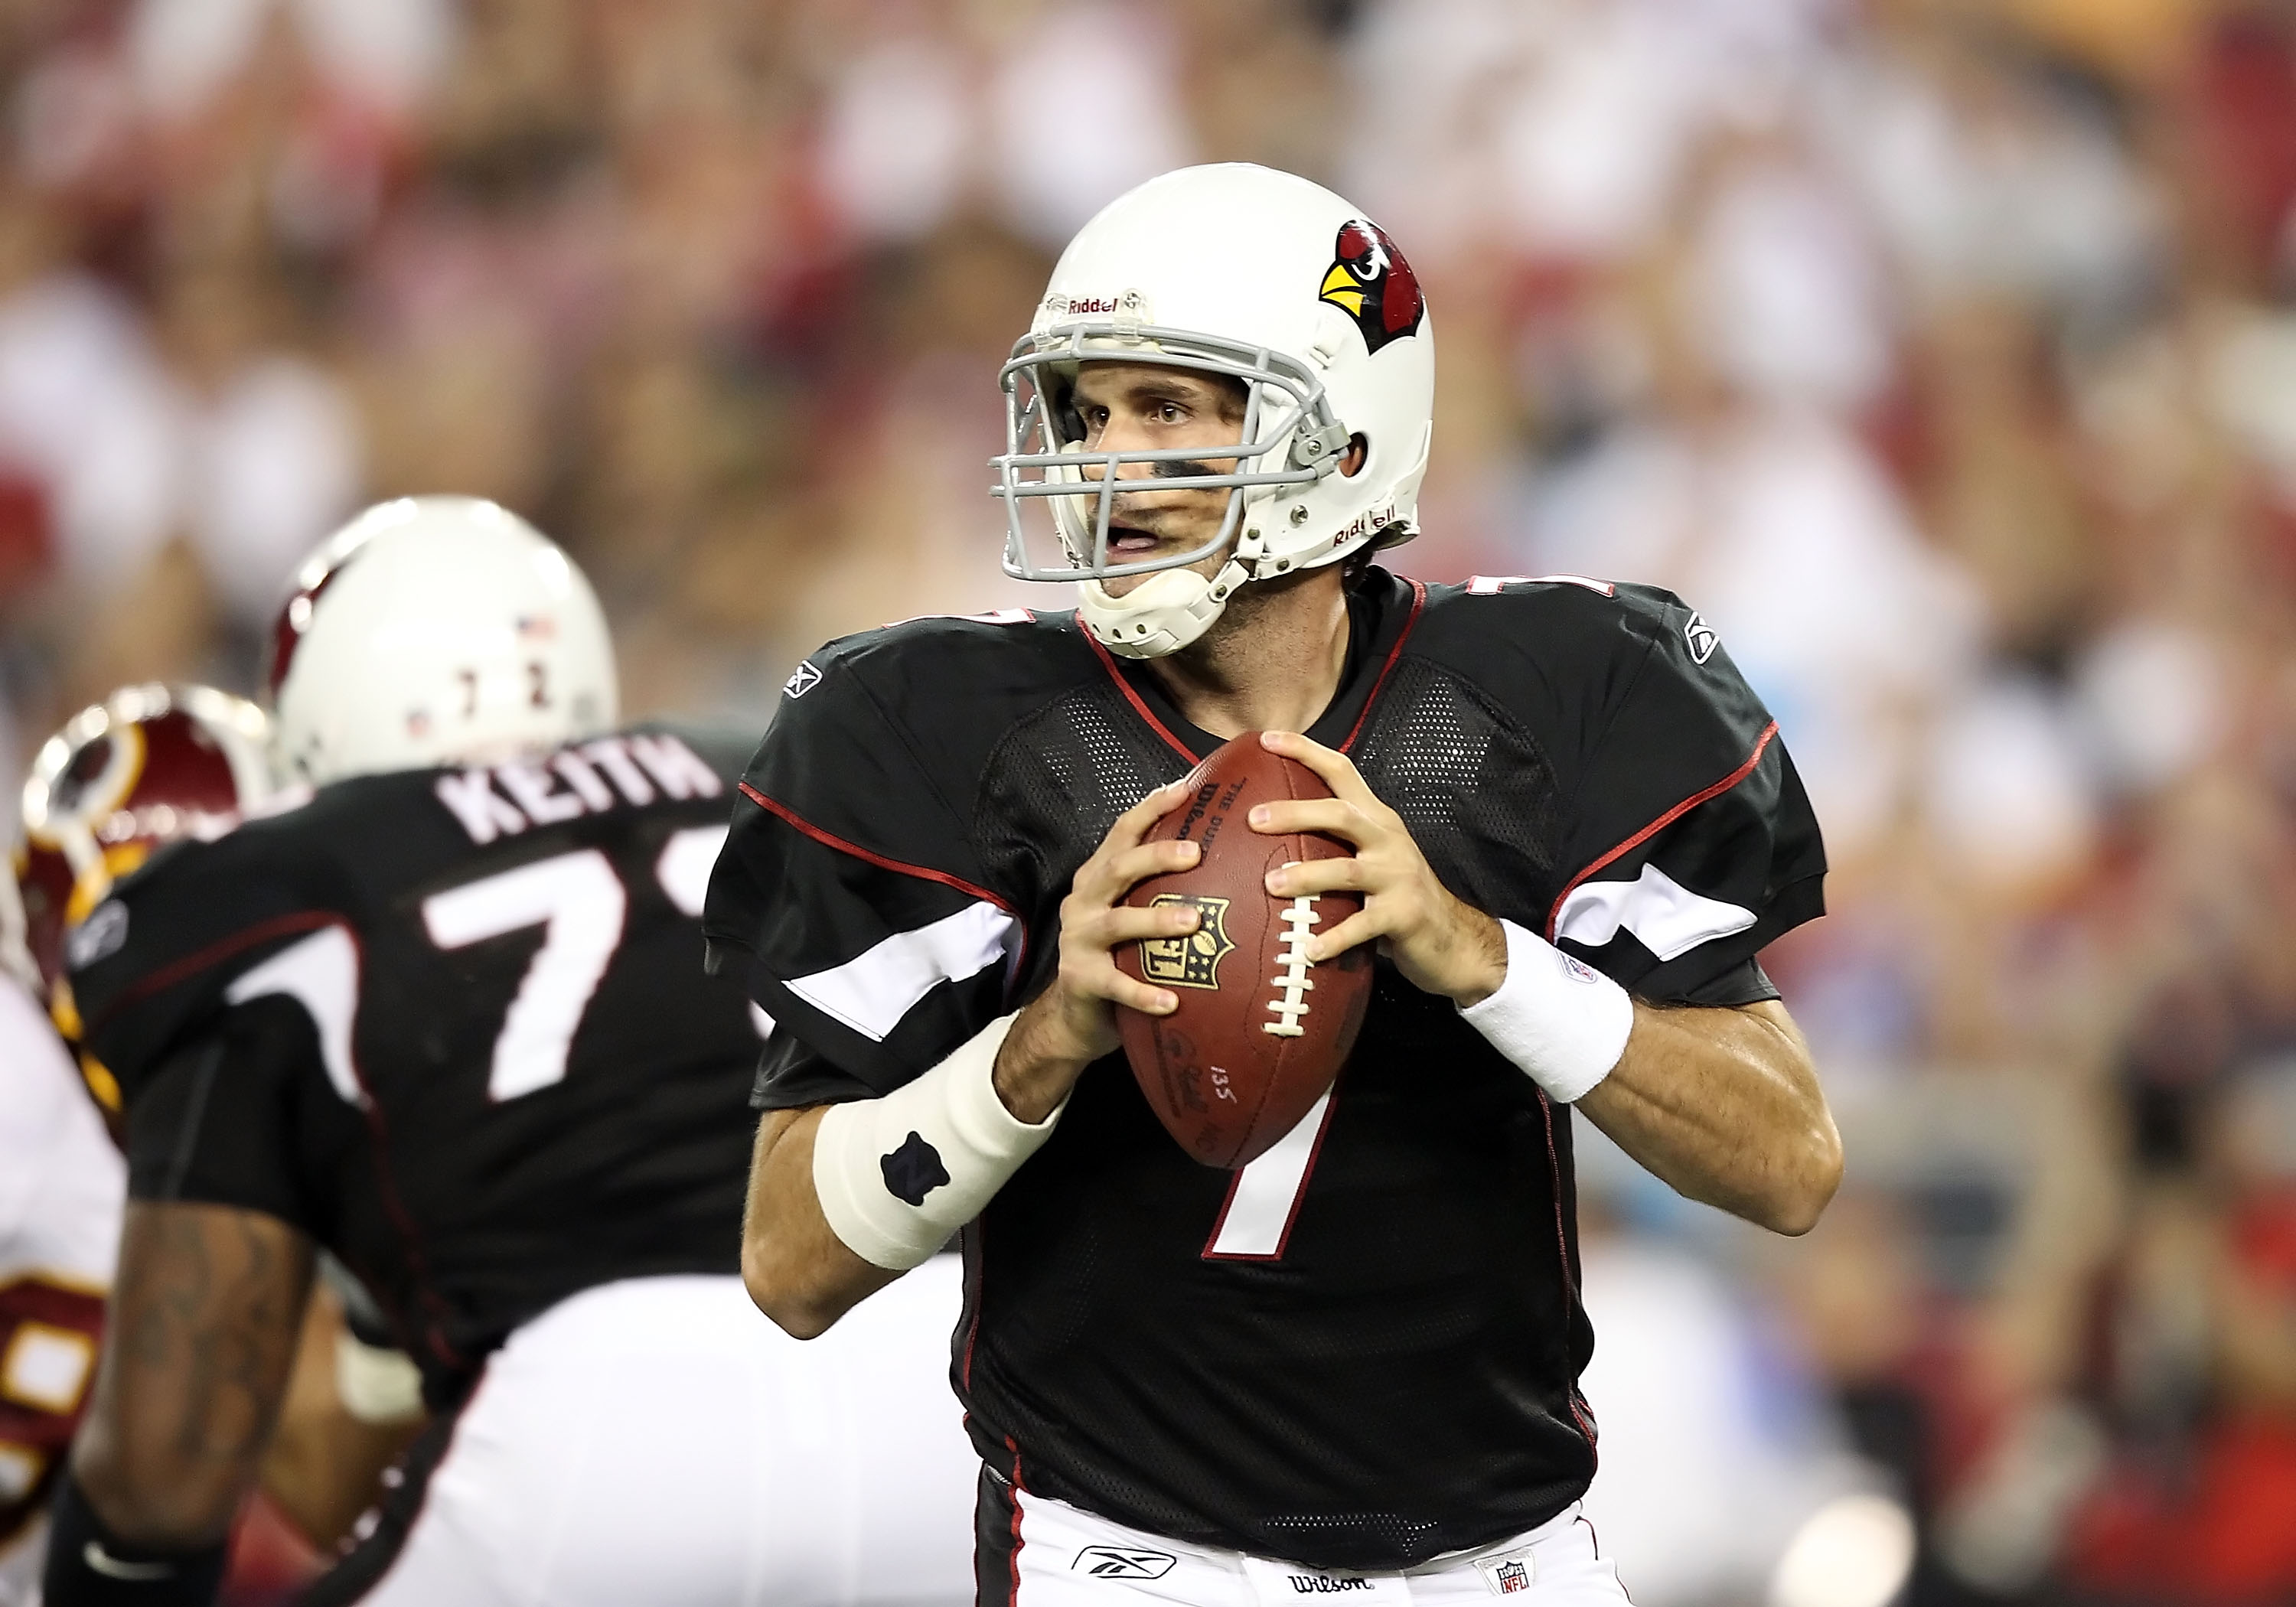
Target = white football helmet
(1266,278)
(434,630)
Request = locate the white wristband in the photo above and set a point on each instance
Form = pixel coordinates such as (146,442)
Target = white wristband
(1563,1023)
(898,1175)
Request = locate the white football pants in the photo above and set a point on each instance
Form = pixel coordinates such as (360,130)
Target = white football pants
(658,1441)
(1067,1558)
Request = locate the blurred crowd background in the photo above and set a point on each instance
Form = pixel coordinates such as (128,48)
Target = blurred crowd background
(1942,351)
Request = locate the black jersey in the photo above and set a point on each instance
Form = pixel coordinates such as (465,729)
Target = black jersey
(454,1024)
(1367,1354)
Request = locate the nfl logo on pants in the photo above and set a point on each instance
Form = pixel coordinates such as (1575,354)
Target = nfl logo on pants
(1505,1576)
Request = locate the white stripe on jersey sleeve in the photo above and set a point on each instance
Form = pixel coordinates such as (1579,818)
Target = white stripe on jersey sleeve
(872,992)
(1666,917)
(683,869)
(322,974)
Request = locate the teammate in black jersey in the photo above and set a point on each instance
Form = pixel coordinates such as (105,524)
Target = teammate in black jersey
(1357,1359)
(448,1021)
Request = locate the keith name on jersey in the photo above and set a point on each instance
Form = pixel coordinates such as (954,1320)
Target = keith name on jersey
(584,778)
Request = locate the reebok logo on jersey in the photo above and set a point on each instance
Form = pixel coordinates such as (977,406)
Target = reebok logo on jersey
(1701,637)
(803,679)
(1323,1584)
(1123,1562)
(913,1170)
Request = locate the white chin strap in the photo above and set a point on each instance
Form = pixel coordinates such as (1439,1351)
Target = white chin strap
(1162,614)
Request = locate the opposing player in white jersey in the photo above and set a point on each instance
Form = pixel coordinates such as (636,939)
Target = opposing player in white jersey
(441,1012)
(60,1187)
(147,764)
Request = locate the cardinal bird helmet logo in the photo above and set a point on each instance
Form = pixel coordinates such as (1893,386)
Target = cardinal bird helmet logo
(1371,282)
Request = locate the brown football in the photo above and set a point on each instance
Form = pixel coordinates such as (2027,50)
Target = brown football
(1260,1033)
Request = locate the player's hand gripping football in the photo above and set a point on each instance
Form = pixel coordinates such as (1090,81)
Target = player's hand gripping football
(1071,1024)
(1441,945)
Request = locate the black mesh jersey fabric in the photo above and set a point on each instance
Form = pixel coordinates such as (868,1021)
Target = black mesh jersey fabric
(302,1026)
(1399,1378)
(1401,1382)
(1057,780)
(1469,780)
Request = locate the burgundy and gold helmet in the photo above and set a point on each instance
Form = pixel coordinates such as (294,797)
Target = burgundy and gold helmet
(146,766)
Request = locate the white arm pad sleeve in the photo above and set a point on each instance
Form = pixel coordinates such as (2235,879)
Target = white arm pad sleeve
(898,1175)
(1565,1024)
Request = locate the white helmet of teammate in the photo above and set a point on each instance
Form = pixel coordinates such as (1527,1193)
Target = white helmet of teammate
(1266,278)
(434,630)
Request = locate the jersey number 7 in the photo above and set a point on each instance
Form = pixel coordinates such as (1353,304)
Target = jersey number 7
(1263,1202)
(579,903)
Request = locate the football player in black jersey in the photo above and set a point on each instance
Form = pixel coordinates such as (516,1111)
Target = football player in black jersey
(440,1009)
(1352,1366)
(120,779)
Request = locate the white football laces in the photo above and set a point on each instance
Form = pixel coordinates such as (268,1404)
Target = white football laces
(1292,980)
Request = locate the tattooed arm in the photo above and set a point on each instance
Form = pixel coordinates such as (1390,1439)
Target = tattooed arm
(205,1314)
(325,1462)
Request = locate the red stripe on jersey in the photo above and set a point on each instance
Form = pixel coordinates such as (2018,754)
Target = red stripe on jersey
(1418,602)
(1020,967)
(979,1270)
(378,1134)
(830,840)
(417,1261)
(1012,1558)
(1140,708)
(1762,746)
(216,953)
(1562,1250)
